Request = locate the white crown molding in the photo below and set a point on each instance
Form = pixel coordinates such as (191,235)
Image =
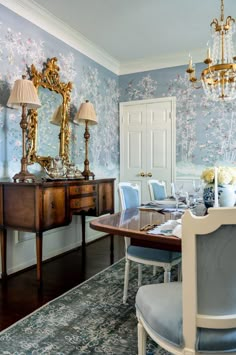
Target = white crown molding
(168,61)
(51,24)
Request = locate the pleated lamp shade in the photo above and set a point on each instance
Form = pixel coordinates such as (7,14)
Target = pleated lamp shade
(86,113)
(23,92)
(57,116)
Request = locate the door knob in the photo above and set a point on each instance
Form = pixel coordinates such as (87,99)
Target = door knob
(142,174)
(149,174)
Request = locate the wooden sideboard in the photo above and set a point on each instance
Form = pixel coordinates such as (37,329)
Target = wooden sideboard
(38,207)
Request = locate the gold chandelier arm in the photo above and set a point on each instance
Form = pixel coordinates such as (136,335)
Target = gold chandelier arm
(228,21)
(215,22)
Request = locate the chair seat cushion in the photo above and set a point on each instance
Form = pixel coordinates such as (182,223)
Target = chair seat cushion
(164,256)
(160,305)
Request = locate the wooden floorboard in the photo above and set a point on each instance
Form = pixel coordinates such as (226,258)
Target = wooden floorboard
(21,294)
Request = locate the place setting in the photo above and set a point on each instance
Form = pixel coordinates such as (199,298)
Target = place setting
(176,205)
(177,202)
(170,228)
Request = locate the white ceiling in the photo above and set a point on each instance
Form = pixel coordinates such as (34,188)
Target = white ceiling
(142,31)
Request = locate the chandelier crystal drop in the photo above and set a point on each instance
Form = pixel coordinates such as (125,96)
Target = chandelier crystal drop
(219,77)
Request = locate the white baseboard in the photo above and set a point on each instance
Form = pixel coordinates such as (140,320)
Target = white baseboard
(21,245)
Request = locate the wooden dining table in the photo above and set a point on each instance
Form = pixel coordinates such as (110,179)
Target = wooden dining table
(131,222)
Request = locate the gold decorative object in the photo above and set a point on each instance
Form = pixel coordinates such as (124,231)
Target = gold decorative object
(25,95)
(57,169)
(49,78)
(219,78)
(87,114)
(60,170)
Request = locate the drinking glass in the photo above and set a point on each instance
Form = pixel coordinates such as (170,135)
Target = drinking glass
(178,191)
(197,185)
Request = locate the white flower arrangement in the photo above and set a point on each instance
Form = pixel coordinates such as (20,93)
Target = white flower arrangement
(225,175)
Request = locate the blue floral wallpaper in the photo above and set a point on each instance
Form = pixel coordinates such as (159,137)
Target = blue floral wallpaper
(21,44)
(206,131)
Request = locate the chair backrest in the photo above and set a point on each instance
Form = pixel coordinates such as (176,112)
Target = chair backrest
(129,195)
(157,189)
(209,276)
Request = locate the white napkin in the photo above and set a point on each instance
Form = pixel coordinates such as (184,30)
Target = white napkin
(166,228)
(177,231)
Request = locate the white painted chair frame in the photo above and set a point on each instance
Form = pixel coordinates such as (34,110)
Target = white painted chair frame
(150,187)
(127,242)
(192,226)
(166,266)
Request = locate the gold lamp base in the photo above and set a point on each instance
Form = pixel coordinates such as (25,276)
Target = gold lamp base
(87,173)
(24,175)
(87,114)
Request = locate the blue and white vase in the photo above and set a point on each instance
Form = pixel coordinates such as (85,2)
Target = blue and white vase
(226,195)
(209,195)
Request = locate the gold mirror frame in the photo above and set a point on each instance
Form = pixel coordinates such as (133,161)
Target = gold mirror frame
(49,78)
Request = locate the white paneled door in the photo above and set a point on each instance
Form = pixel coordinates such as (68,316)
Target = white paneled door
(147,142)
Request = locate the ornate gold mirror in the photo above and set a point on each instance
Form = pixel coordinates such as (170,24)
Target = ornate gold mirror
(46,140)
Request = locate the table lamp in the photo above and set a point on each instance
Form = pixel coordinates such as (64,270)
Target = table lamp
(87,114)
(24,94)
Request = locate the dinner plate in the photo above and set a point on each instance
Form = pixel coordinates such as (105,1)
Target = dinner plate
(150,208)
(166,202)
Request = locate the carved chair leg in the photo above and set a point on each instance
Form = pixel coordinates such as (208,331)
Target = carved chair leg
(126,281)
(179,275)
(142,339)
(167,274)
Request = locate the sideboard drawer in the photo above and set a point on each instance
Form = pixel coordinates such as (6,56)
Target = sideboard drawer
(82,189)
(83,203)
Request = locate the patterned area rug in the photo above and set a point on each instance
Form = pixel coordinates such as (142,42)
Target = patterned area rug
(89,319)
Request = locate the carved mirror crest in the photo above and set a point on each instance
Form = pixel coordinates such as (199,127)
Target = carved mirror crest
(55,99)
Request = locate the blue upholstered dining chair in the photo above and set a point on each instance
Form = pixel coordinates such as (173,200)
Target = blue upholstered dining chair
(130,197)
(157,189)
(197,316)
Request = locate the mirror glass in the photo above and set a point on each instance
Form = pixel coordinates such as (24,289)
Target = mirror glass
(50,101)
(48,126)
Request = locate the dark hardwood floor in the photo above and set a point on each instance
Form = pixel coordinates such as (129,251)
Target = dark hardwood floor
(21,294)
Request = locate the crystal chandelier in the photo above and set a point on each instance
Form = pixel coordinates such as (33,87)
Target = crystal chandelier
(219,77)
